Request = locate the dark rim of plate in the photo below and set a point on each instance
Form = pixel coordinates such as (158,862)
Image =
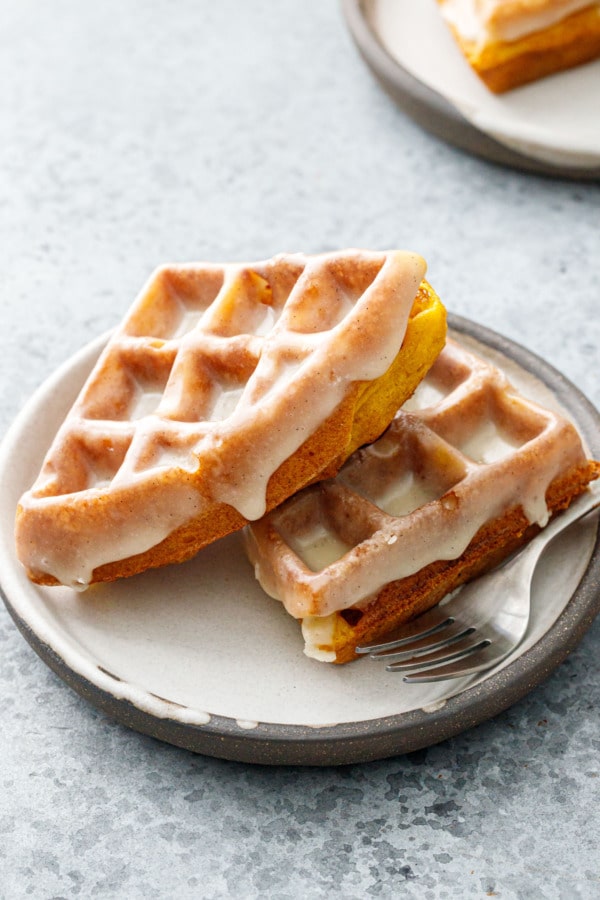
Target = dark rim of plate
(433,112)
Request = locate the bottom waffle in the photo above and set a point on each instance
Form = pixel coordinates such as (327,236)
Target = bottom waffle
(468,471)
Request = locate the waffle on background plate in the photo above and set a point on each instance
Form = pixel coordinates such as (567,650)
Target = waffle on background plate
(226,389)
(467,472)
(512,42)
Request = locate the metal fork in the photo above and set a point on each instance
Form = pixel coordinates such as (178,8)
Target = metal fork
(479,625)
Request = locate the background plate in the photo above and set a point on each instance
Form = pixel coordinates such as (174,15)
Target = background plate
(410,49)
(197,655)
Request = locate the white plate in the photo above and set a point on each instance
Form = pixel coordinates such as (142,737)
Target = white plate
(198,655)
(554,120)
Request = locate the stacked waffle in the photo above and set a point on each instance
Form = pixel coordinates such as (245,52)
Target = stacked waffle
(240,394)
(512,42)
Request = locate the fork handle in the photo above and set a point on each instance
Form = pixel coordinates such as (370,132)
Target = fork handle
(584,505)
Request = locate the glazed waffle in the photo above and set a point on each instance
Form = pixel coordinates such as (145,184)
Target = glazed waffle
(466,472)
(512,42)
(226,389)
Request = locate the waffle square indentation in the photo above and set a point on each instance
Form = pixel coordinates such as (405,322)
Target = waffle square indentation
(405,469)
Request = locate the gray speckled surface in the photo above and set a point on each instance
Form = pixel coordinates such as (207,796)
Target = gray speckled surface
(132,134)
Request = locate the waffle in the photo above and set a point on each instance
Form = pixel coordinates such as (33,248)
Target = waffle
(467,472)
(511,42)
(226,389)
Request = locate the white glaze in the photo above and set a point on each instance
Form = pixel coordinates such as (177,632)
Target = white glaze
(481,21)
(404,495)
(147,402)
(188,321)
(488,444)
(319,548)
(73,561)
(426,394)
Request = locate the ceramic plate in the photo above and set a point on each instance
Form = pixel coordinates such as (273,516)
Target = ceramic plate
(550,126)
(197,655)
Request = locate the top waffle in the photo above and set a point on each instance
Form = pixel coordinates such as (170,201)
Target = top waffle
(219,379)
(466,453)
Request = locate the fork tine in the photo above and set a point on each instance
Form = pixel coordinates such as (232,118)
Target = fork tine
(452,634)
(429,623)
(483,659)
(439,657)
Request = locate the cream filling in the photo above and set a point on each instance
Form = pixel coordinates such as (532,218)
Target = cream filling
(318,633)
(481,21)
